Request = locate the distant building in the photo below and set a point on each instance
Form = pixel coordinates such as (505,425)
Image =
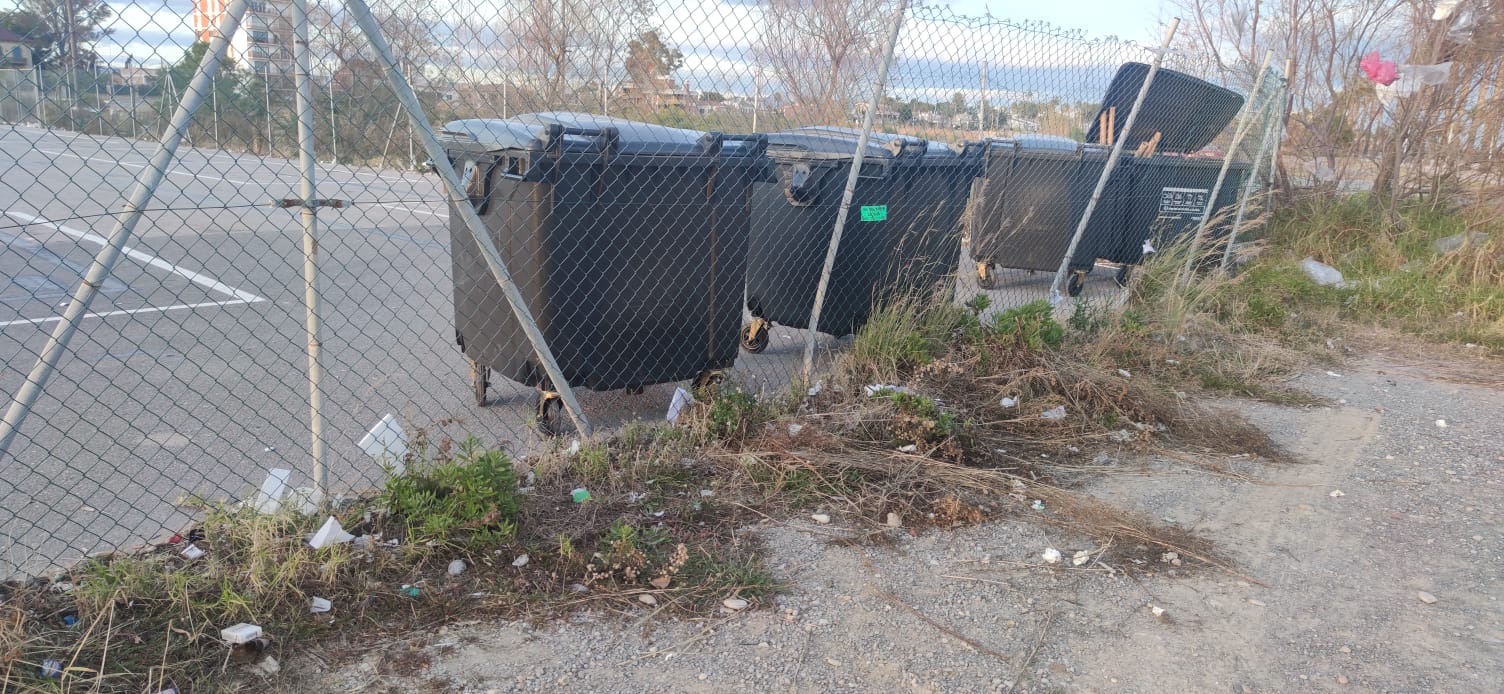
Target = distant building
(665,93)
(15,52)
(132,76)
(262,44)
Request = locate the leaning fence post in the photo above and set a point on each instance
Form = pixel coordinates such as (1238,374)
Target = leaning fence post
(1232,150)
(461,200)
(310,218)
(1258,160)
(878,88)
(1112,162)
(104,261)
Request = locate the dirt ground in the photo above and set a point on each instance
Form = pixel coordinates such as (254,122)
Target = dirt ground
(1373,566)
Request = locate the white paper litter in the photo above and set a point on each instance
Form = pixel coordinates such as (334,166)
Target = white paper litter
(320,606)
(681,400)
(1009,403)
(387,443)
(877,389)
(1426,75)
(269,499)
(1148,247)
(1057,413)
(240,633)
(1051,555)
(1444,9)
(331,533)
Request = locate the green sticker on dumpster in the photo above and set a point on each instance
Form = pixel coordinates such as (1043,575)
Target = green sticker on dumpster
(874,213)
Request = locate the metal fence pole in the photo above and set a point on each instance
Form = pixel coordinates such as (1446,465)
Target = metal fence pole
(104,261)
(461,200)
(1258,160)
(1232,149)
(1112,161)
(310,217)
(878,88)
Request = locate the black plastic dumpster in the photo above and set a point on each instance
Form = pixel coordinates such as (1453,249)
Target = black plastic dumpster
(902,232)
(1029,201)
(1165,201)
(1186,112)
(628,242)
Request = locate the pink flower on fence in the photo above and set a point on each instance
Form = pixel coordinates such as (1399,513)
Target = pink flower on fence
(1379,71)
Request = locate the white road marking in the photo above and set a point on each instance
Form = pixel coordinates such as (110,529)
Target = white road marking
(130,312)
(145,258)
(115,162)
(408,209)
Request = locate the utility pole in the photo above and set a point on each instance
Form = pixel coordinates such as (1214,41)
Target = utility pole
(982,109)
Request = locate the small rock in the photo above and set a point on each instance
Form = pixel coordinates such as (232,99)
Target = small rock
(894,520)
(1425,597)
(1345,649)
(1321,273)
(661,582)
(1336,493)
(832,662)
(457,567)
(909,448)
(794,429)
(1456,241)
(1169,557)
(268,666)
(1124,373)
(1256,603)
(820,518)
(647,599)
(1051,555)
(579,588)
(1441,424)
(1341,679)
(1009,403)
(1157,610)
(1080,558)
(735,603)
(521,560)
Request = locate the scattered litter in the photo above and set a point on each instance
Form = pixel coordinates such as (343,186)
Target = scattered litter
(70,621)
(735,604)
(1379,71)
(268,666)
(1170,558)
(574,447)
(894,520)
(1334,374)
(661,582)
(1342,679)
(1120,436)
(815,389)
(192,552)
(1080,557)
(1038,505)
(1321,273)
(820,518)
(1441,423)
(320,605)
(1055,414)
(457,567)
(1051,555)
(1148,248)
(794,429)
(877,389)
(269,499)
(1336,493)
(579,588)
(410,591)
(1173,362)
(909,448)
(1168,519)
(52,669)
(331,533)
(387,443)
(580,495)
(1443,11)
(1425,597)
(1125,373)
(1430,75)
(1456,241)
(676,405)
(1157,610)
(240,633)
(1009,403)
(1256,603)
(521,560)
(269,449)
(647,599)
(307,499)
(705,493)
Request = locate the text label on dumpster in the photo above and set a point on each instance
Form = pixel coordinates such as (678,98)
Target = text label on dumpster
(874,213)
(1175,202)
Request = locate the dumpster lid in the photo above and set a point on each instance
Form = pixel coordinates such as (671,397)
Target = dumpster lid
(1039,143)
(1187,112)
(583,132)
(838,142)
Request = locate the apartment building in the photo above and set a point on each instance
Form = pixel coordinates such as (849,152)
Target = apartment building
(262,44)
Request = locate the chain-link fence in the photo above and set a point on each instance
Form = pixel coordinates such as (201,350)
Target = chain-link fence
(663,189)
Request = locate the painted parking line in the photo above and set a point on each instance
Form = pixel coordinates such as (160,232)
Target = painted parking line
(116,162)
(239,296)
(408,209)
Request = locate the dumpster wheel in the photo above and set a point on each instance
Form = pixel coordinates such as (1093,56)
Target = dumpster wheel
(1076,283)
(985,278)
(547,412)
(1122,275)
(480,379)
(755,336)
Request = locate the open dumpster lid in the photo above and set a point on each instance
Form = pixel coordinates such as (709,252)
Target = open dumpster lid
(583,132)
(1186,111)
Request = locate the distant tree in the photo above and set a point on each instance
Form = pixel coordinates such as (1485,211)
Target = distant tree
(61,32)
(648,59)
(957,103)
(712,97)
(823,51)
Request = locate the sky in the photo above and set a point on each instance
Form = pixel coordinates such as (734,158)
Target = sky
(1135,20)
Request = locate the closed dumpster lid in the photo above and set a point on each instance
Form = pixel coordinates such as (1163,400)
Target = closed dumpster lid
(838,142)
(583,131)
(1052,143)
(1187,112)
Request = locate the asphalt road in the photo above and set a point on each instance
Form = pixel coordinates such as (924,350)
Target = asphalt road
(188,378)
